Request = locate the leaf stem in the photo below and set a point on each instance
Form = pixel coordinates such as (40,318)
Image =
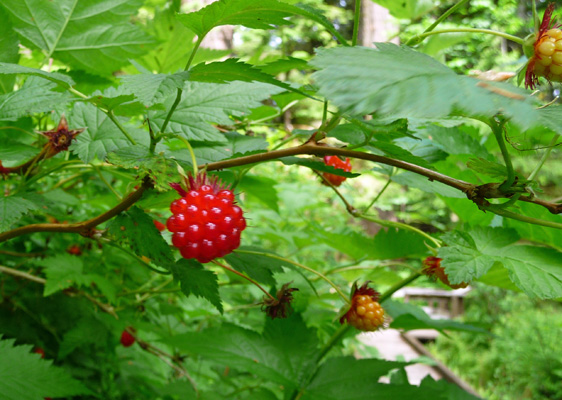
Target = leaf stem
(497,129)
(180,91)
(419,38)
(245,277)
(398,286)
(377,197)
(356,20)
(191,153)
(111,188)
(523,218)
(112,117)
(544,157)
(317,273)
(445,15)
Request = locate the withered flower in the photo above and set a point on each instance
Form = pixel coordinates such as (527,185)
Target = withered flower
(280,307)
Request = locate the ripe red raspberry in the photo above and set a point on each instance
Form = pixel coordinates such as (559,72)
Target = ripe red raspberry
(127,339)
(206,223)
(365,312)
(433,268)
(336,162)
(159,225)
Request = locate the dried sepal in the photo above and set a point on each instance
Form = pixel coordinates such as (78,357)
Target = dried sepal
(280,307)
(432,268)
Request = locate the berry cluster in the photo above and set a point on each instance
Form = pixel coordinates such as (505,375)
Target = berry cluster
(432,268)
(365,312)
(336,162)
(206,223)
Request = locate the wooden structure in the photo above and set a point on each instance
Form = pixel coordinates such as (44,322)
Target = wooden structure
(441,303)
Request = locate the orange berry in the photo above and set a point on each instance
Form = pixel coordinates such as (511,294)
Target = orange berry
(365,313)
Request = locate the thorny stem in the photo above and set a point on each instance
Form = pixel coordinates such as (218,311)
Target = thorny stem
(356,20)
(544,157)
(180,91)
(419,38)
(317,273)
(245,277)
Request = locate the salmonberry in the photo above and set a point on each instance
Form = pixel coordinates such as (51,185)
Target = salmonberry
(159,225)
(365,313)
(432,268)
(336,162)
(127,339)
(545,51)
(40,351)
(74,250)
(206,223)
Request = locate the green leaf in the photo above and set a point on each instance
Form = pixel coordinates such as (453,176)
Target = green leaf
(256,14)
(490,168)
(88,330)
(152,89)
(470,254)
(12,208)
(412,180)
(449,391)
(116,100)
(407,9)
(535,270)
(455,140)
(63,271)
(205,103)
(36,95)
(138,228)
(8,50)
(259,267)
(551,117)
(234,70)
(101,135)
(262,188)
(283,353)
(398,82)
(343,376)
(13,69)
(25,376)
(408,317)
(284,65)
(194,279)
(94,36)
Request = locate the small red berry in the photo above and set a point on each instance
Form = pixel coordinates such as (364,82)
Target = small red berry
(336,162)
(40,351)
(433,268)
(159,225)
(206,223)
(127,339)
(365,313)
(74,250)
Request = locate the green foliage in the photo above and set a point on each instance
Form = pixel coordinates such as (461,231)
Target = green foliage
(194,279)
(25,376)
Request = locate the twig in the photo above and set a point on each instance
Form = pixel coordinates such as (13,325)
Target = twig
(245,277)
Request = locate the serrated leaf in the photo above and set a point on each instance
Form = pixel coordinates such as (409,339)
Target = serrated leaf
(454,140)
(411,179)
(12,208)
(234,70)
(115,100)
(282,354)
(19,366)
(255,14)
(36,95)
(205,103)
(96,37)
(87,331)
(408,9)
(490,168)
(151,89)
(398,81)
(408,317)
(138,229)
(470,254)
(317,166)
(284,65)
(259,267)
(551,117)
(14,69)
(62,271)
(262,188)
(195,279)
(101,135)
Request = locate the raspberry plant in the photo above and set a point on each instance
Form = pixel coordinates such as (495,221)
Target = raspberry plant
(103,107)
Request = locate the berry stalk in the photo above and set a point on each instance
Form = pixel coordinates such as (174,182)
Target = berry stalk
(253,282)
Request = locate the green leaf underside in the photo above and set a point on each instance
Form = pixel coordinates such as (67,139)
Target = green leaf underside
(19,366)
(152,89)
(59,79)
(205,103)
(408,9)
(12,208)
(63,271)
(283,354)
(138,228)
(398,81)
(94,36)
(195,279)
(471,254)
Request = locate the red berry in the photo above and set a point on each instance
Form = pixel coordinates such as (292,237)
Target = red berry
(336,162)
(74,250)
(365,313)
(159,225)
(127,339)
(206,222)
(433,268)
(40,351)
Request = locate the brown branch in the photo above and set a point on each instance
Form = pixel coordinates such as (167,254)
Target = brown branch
(84,228)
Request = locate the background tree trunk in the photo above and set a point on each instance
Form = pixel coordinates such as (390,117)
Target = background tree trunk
(220,38)
(376,24)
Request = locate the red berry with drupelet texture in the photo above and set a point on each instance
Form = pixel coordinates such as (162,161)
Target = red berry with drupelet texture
(206,223)
(337,163)
(127,340)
